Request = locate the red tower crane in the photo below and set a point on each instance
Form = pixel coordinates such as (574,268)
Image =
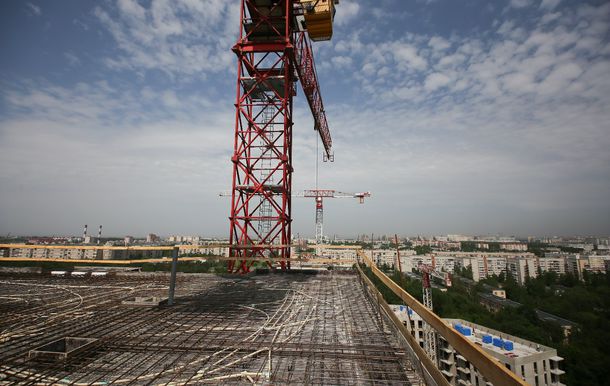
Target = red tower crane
(430,336)
(273,51)
(398,264)
(319,195)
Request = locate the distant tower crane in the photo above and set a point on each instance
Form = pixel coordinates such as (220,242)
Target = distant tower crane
(398,264)
(429,333)
(444,277)
(319,195)
(274,51)
(428,271)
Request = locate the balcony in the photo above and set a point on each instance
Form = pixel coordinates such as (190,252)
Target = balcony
(556,359)
(464,370)
(557,372)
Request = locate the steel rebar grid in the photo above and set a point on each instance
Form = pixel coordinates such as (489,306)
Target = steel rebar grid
(277,328)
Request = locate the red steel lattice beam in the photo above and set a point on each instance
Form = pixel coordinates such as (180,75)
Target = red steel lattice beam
(271,53)
(262,156)
(306,69)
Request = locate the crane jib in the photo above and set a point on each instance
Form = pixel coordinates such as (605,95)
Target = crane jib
(306,70)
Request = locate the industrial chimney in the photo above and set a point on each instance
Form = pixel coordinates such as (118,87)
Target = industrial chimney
(99,235)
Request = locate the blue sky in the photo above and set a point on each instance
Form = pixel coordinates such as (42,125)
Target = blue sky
(478,117)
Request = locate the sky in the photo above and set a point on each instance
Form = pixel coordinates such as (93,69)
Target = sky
(460,117)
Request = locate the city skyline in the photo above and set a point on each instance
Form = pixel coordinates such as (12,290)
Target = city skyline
(471,118)
(381,237)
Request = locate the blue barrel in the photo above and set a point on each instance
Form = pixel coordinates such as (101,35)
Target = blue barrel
(409,311)
(466,331)
(486,338)
(508,345)
(402,308)
(458,326)
(498,342)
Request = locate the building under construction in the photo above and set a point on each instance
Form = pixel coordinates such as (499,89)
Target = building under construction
(104,325)
(270,328)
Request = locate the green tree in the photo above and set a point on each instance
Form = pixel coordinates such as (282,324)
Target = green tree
(423,249)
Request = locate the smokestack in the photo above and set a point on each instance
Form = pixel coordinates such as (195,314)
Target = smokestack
(85,232)
(99,235)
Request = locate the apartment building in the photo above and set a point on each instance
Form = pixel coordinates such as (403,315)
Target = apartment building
(59,252)
(513,247)
(340,252)
(210,250)
(388,257)
(555,264)
(538,365)
(485,264)
(521,268)
(577,264)
(441,262)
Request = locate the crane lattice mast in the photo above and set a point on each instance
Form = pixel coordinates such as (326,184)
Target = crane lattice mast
(273,51)
(398,264)
(429,333)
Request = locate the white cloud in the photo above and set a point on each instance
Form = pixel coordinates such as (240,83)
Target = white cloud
(452,60)
(72,59)
(34,9)
(519,83)
(520,3)
(407,54)
(549,4)
(506,27)
(550,17)
(509,124)
(560,78)
(435,81)
(107,145)
(170,99)
(80,24)
(530,103)
(346,12)
(341,62)
(438,43)
(180,38)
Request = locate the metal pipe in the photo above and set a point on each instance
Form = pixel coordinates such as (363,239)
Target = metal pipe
(172,280)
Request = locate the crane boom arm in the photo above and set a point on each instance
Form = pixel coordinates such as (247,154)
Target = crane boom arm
(428,272)
(306,69)
(328,193)
(325,193)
